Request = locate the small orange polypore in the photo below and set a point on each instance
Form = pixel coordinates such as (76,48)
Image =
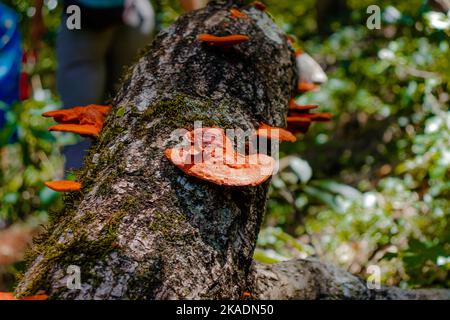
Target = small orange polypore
(269,132)
(86,120)
(306,86)
(222,41)
(63,185)
(235,13)
(81,129)
(63,116)
(74,115)
(298,119)
(10,296)
(301,109)
(259,5)
(319,116)
(298,125)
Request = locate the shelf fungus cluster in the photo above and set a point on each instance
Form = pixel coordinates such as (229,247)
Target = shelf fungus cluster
(209,155)
(85,121)
(311,76)
(63,185)
(300,118)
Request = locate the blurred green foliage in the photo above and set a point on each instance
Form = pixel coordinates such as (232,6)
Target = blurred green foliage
(34,155)
(27,163)
(369,188)
(377,190)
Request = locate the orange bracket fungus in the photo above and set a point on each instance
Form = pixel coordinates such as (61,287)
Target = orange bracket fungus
(298,125)
(73,115)
(63,185)
(302,109)
(259,5)
(303,112)
(235,13)
(306,86)
(319,116)
(222,41)
(10,296)
(86,120)
(300,118)
(209,155)
(268,132)
(84,130)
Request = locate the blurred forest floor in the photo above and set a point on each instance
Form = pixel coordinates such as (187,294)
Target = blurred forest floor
(371,187)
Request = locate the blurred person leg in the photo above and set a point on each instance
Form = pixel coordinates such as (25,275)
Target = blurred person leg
(128,41)
(81,76)
(130,37)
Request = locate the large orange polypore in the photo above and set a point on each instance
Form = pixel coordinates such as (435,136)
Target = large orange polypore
(10,296)
(209,155)
(63,185)
(222,41)
(269,132)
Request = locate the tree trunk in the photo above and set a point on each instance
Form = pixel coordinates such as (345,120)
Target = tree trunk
(140,228)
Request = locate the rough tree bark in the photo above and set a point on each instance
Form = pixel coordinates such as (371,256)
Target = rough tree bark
(142,229)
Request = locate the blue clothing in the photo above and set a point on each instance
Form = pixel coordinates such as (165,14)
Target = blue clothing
(10,58)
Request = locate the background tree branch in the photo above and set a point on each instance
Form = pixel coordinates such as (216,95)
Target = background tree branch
(311,279)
